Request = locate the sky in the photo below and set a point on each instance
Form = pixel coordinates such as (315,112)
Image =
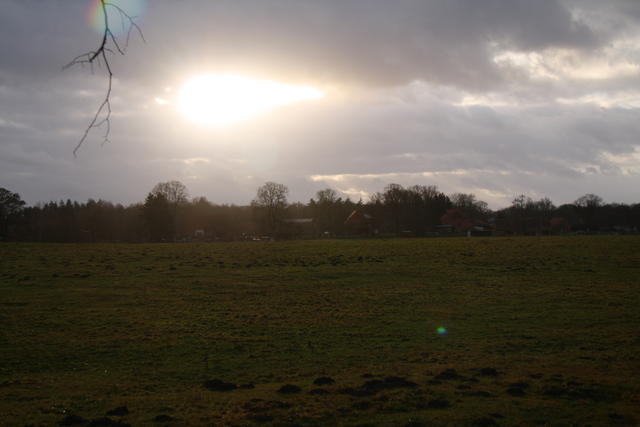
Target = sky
(492,97)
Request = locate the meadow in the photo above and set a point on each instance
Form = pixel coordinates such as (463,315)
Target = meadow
(457,331)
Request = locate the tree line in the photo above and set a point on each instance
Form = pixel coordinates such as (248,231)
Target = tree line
(169,214)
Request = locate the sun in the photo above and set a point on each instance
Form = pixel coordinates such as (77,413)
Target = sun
(214,99)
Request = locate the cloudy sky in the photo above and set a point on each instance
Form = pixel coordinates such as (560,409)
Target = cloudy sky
(492,97)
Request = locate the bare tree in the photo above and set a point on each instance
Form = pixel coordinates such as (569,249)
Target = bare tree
(327,196)
(272,199)
(591,201)
(10,205)
(474,208)
(588,205)
(174,191)
(100,57)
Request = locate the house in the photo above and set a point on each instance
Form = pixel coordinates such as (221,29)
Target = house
(480,229)
(445,229)
(459,221)
(559,225)
(359,223)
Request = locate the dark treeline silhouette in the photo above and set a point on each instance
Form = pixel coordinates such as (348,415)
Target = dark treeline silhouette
(168,214)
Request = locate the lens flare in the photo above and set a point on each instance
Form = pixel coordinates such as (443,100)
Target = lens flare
(441,331)
(117,23)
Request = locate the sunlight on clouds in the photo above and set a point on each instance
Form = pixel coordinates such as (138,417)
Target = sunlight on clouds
(11,124)
(492,197)
(223,99)
(488,194)
(405,175)
(558,64)
(605,100)
(195,160)
(355,193)
(190,161)
(586,168)
(348,176)
(628,164)
(85,93)
(530,62)
(468,172)
(410,156)
(485,101)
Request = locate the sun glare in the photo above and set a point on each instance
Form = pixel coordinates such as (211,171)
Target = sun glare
(224,99)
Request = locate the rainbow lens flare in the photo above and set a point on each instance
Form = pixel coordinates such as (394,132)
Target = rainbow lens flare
(441,331)
(117,23)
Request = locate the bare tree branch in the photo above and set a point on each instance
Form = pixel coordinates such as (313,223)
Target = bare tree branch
(99,56)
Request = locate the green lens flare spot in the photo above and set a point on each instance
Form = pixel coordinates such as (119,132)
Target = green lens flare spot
(441,331)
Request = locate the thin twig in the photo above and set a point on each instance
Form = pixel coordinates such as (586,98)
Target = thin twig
(99,56)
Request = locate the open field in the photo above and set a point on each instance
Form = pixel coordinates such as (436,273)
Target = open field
(539,331)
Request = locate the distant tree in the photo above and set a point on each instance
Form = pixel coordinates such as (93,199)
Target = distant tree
(588,201)
(569,212)
(588,206)
(174,192)
(133,223)
(545,205)
(327,196)
(528,216)
(416,208)
(271,201)
(198,212)
(473,208)
(519,214)
(634,216)
(10,206)
(177,197)
(158,214)
(97,220)
(425,207)
(543,212)
(69,224)
(520,202)
(393,198)
(327,211)
(10,203)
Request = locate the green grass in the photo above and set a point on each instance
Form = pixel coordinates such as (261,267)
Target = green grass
(87,328)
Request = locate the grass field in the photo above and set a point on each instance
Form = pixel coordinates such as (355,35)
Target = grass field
(538,331)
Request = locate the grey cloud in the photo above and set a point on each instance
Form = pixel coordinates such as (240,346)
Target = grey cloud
(388,127)
(367,42)
(553,142)
(364,42)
